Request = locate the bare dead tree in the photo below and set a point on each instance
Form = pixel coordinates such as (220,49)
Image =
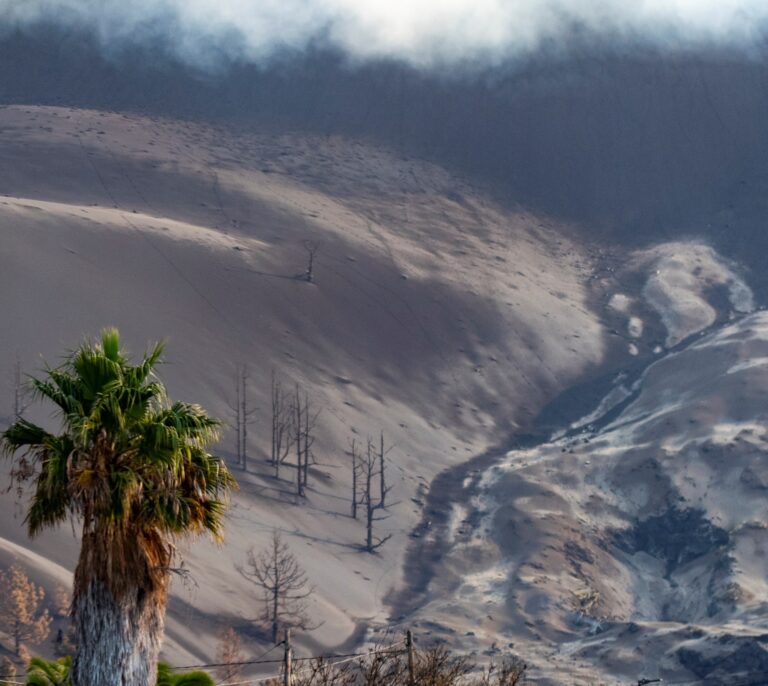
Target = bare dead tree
(355,464)
(384,666)
(383,488)
(311,247)
(304,422)
(246,414)
(298,434)
(310,422)
(242,414)
(438,665)
(510,671)
(369,502)
(282,412)
(320,671)
(276,571)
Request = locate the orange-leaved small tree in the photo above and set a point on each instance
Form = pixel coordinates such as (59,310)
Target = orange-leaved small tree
(229,656)
(21,616)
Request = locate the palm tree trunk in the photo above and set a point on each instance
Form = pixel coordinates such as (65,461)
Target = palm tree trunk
(118,607)
(118,642)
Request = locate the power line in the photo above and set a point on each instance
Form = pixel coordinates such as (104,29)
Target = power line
(259,661)
(256,661)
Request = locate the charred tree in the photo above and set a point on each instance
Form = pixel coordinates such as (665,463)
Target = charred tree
(304,422)
(282,412)
(277,572)
(383,488)
(370,503)
(355,464)
(242,414)
(311,247)
(298,442)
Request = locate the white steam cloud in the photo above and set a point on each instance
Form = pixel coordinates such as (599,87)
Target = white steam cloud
(425,33)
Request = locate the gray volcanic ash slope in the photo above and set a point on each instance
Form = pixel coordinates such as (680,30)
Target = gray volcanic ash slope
(430,304)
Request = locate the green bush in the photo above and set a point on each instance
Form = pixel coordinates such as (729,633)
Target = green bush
(42,672)
(166,677)
(56,673)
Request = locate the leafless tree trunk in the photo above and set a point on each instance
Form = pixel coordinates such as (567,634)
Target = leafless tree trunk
(304,422)
(298,442)
(371,504)
(238,429)
(310,421)
(277,572)
(383,488)
(242,415)
(281,423)
(245,415)
(311,247)
(355,474)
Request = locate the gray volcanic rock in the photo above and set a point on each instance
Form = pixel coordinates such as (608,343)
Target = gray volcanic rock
(676,536)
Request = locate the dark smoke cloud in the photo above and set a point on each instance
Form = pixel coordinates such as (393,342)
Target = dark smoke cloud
(424,33)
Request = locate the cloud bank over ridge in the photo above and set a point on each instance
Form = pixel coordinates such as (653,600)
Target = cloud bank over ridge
(425,33)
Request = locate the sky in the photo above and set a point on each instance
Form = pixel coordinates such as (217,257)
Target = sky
(424,33)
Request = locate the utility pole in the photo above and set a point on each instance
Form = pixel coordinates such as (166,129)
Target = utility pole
(288,657)
(409,647)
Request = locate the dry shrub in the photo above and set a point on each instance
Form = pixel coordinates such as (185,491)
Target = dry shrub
(386,666)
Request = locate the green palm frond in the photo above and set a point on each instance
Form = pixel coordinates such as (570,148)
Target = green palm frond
(24,435)
(110,345)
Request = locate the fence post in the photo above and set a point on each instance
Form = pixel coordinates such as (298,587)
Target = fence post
(287,659)
(409,646)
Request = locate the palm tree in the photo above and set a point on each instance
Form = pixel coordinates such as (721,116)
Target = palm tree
(134,470)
